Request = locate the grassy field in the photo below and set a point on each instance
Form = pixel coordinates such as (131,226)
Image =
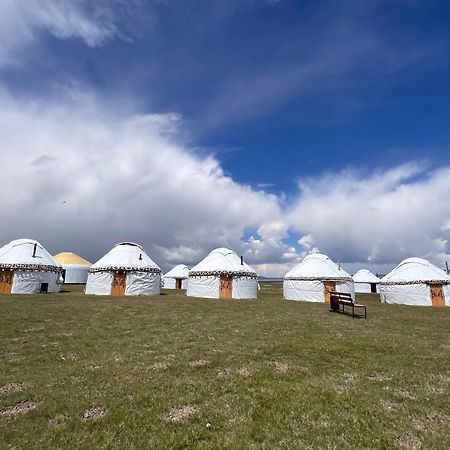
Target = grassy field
(175,372)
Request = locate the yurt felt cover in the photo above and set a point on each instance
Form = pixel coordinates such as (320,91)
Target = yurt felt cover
(143,274)
(204,278)
(363,280)
(30,271)
(306,280)
(76,268)
(409,283)
(181,272)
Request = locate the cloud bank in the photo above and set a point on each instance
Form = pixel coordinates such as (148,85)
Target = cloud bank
(80,177)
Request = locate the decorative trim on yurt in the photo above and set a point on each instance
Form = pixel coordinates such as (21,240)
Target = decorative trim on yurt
(37,267)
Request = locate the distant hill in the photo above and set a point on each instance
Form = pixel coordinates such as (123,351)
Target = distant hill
(260,278)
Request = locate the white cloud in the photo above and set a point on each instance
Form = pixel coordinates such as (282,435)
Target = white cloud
(94,22)
(78,177)
(377,218)
(80,174)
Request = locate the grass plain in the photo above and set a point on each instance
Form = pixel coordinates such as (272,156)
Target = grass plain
(175,372)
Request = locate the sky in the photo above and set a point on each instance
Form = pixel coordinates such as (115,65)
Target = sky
(272,127)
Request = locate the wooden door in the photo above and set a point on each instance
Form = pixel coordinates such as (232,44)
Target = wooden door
(437,295)
(329,286)
(178,283)
(226,287)
(6,280)
(119,283)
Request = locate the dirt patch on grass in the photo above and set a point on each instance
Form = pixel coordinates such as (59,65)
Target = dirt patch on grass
(19,408)
(410,442)
(94,413)
(160,366)
(282,367)
(244,372)
(422,423)
(199,363)
(350,378)
(180,414)
(11,388)
(340,390)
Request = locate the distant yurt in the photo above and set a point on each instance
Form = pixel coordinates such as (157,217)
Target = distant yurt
(314,278)
(415,281)
(223,274)
(75,268)
(365,281)
(27,268)
(177,277)
(125,270)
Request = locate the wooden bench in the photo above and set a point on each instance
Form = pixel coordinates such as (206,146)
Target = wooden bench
(338,299)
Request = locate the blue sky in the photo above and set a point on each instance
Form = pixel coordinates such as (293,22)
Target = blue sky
(279,94)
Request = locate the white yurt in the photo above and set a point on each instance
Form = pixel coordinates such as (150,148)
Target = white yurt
(177,277)
(223,274)
(415,281)
(27,268)
(75,268)
(125,270)
(365,281)
(314,278)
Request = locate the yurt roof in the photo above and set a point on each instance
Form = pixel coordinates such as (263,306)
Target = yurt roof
(317,266)
(18,254)
(69,258)
(365,276)
(179,271)
(126,256)
(222,261)
(416,270)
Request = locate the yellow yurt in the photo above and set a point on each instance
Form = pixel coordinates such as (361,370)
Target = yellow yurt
(75,267)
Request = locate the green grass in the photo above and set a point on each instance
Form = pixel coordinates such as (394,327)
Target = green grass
(275,374)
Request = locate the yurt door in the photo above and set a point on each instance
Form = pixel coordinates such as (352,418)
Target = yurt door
(119,283)
(226,287)
(330,286)
(6,278)
(437,295)
(177,283)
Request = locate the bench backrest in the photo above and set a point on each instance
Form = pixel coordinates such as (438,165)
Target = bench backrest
(336,296)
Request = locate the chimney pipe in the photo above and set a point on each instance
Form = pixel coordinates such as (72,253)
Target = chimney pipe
(242,260)
(140,256)
(446,266)
(34,250)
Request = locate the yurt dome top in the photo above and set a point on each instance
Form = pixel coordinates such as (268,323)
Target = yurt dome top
(222,261)
(126,256)
(27,254)
(179,271)
(69,258)
(415,271)
(365,276)
(317,266)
